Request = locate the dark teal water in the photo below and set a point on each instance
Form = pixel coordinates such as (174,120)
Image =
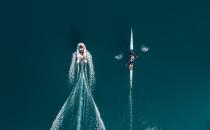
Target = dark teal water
(171,82)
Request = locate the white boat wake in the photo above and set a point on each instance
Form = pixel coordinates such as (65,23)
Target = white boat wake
(80,112)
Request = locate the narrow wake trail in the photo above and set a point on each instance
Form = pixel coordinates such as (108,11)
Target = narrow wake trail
(131,105)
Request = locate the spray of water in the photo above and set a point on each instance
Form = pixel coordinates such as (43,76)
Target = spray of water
(80,112)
